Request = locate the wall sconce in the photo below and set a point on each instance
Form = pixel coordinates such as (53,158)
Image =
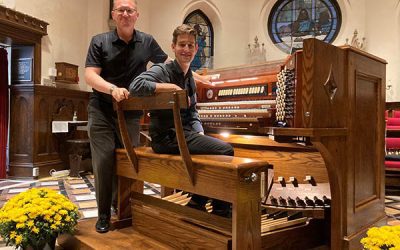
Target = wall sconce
(355,41)
(256,53)
(389,85)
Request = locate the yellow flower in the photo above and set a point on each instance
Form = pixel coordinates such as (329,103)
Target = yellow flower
(30,223)
(13,234)
(51,212)
(35,230)
(36,214)
(18,239)
(20,225)
(63,212)
(57,217)
(48,217)
(385,237)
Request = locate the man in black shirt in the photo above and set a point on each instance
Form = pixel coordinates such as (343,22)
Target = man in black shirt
(176,75)
(114,59)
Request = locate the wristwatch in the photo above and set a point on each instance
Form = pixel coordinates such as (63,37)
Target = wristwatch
(112,89)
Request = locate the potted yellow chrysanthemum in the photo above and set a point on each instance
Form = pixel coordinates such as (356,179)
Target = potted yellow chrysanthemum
(382,238)
(36,217)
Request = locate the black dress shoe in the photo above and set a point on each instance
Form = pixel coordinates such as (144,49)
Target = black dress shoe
(103,225)
(197,206)
(227,213)
(221,208)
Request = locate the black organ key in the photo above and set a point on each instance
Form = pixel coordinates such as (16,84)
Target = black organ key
(269,216)
(326,200)
(300,202)
(318,202)
(282,201)
(281,214)
(295,216)
(291,202)
(273,200)
(309,202)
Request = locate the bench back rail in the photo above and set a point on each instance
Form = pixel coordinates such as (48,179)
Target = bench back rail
(164,100)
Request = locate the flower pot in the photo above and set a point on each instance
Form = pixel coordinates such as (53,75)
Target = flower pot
(51,245)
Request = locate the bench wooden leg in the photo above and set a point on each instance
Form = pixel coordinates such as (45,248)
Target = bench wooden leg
(166,191)
(125,188)
(246,225)
(74,164)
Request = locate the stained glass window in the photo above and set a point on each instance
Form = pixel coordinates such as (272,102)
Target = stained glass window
(205,39)
(291,21)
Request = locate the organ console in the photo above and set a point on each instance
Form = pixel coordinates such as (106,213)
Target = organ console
(326,187)
(240,101)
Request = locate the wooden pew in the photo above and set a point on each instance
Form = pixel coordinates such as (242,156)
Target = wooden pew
(232,179)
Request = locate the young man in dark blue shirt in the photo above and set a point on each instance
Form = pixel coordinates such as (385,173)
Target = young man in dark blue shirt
(177,75)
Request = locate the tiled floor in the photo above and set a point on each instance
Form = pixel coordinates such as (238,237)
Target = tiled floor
(81,191)
(393,209)
(78,190)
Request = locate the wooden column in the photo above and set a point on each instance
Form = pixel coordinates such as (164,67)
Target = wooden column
(3,111)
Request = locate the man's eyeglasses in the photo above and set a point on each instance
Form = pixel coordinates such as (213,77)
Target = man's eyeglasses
(121,11)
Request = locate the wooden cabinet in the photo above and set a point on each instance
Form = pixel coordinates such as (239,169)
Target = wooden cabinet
(33,146)
(67,73)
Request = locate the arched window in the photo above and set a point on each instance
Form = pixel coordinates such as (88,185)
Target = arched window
(205,39)
(291,21)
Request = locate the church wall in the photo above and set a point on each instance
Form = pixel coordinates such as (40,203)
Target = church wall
(71,25)
(383,39)
(230,40)
(236,23)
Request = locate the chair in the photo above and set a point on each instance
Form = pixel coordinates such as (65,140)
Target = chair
(392,166)
(391,121)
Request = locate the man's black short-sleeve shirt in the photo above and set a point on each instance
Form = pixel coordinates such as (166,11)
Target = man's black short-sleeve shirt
(120,62)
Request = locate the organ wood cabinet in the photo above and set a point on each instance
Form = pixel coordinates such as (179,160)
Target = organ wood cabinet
(32,106)
(318,118)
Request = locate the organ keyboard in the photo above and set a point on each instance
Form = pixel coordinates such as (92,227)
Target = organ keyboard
(240,115)
(331,97)
(240,102)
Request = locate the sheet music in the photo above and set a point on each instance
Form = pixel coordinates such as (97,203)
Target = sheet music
(59,127)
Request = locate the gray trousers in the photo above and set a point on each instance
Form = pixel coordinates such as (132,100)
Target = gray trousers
(197,144)
(104,138)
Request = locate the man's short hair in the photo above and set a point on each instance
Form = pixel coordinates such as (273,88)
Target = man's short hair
(183,29)
(134,1)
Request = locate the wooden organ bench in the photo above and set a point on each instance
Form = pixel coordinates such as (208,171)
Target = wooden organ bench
(232,179)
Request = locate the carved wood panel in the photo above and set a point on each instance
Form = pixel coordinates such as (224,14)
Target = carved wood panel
(33,109)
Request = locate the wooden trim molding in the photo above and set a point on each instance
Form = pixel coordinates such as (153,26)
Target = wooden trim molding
(21,21)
